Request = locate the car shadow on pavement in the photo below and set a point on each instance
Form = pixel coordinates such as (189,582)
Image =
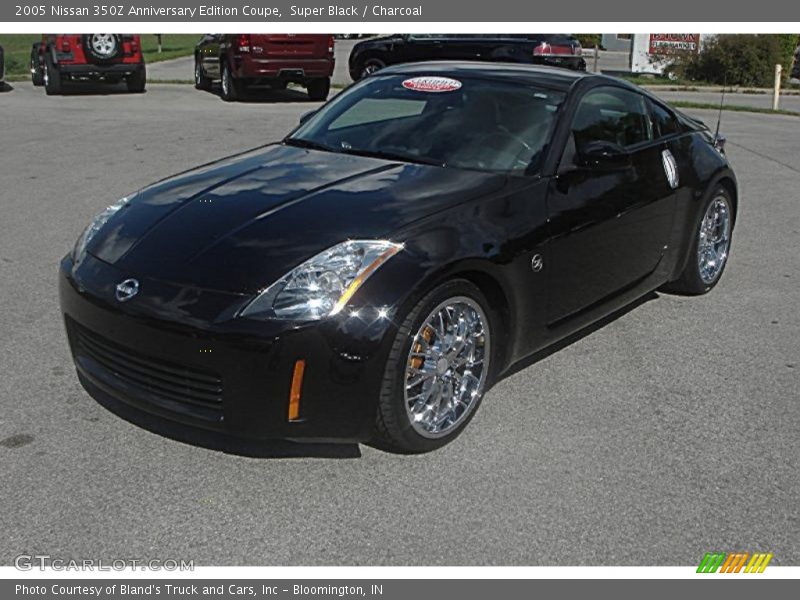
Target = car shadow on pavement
(215,441)
(575,337)
(265,95)
(5,87)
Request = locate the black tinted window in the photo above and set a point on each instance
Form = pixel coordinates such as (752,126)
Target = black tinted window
(612,115)
(664,121)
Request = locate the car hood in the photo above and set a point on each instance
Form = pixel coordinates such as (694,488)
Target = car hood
(241,223)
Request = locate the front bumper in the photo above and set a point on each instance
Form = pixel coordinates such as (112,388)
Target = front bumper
(172,353)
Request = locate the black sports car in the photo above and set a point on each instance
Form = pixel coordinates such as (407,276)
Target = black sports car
(550,49)
(371,275)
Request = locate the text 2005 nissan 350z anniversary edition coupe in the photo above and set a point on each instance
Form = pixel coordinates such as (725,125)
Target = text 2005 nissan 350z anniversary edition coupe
(370,276)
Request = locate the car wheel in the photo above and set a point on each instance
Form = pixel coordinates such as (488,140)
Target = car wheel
(370,66)
(232,88)
(318,89)
(201,82)
(438,369)
(710,247)
(136,82)
(52,77)
(102,47)
(36,70)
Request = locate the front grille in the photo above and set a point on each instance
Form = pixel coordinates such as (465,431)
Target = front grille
(150,375)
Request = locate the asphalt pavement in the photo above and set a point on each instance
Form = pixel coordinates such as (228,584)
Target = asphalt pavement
(670,431)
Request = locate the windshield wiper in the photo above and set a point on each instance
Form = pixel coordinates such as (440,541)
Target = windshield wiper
(422,160)
(310,144)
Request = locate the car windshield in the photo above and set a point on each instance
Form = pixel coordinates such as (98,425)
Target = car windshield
(464,122)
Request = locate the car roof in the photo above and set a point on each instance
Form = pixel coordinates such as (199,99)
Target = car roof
(552,77)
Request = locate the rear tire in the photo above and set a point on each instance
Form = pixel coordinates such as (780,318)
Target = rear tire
(136,82)
(232,88)
(370,66)
(704,267)
(318,89)
(396,430)
(201,81)
(52,77)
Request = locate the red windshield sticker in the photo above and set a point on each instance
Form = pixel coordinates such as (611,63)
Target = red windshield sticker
(432,84)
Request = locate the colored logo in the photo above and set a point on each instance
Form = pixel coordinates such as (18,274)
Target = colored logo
(432,84)
(734,562)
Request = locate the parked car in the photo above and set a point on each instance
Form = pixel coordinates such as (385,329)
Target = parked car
(2,68)
(106,57)
(242,60)
(370,276)
(545,49)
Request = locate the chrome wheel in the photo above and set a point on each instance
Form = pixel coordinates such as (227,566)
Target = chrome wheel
(714,242)
(197,72)
(370,68)
(447,367)
(103,44)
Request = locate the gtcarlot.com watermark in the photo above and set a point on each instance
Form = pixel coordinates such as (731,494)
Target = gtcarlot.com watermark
(43,562)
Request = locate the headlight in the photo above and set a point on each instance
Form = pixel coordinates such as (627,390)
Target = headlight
(322,286)
(79,251)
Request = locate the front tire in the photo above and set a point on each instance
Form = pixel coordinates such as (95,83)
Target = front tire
(438,369)
(201,81)
(710,246)
(37,77)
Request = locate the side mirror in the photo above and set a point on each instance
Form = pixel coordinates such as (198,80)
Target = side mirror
(306,116)
(603,156)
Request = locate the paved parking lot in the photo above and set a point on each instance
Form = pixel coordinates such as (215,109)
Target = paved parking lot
(668,432)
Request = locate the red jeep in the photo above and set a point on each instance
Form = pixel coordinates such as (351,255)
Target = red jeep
(109,57)
(241,60)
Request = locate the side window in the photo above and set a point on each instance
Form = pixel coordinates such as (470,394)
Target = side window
(664,122)
(613,115)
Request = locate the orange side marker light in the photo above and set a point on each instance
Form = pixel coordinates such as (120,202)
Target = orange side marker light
(296,390)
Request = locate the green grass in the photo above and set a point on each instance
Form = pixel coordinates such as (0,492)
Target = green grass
(17,50)
(733,107)
(173,45)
